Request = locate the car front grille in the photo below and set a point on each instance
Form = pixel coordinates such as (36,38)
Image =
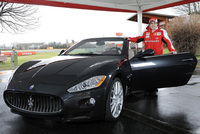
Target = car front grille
(38,103)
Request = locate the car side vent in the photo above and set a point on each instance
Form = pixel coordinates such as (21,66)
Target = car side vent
(38,103)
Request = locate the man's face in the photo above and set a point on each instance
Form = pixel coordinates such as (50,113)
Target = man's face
(153,25)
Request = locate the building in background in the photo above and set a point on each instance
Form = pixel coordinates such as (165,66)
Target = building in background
(163,19)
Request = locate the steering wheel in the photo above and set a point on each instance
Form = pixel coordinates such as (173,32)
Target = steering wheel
(117,49)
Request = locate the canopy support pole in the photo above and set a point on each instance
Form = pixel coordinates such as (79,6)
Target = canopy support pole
(139,18)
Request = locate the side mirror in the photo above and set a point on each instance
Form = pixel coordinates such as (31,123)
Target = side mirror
(148,52)
(61,52)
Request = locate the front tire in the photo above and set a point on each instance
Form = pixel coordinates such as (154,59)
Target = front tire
(115,99)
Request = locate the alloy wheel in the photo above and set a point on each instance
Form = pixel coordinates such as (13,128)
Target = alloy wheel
(116,100)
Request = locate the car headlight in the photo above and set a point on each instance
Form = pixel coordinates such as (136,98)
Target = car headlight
(90,83)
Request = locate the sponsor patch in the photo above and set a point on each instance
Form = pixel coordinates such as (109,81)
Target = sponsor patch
(148,33)
(158,33)
(147,36)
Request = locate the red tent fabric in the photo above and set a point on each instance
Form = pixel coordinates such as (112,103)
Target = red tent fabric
(108,5)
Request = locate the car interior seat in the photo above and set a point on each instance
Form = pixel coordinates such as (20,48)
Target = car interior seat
(100,47)
(131,50)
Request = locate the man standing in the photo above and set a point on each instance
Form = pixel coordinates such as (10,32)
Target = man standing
(154,37)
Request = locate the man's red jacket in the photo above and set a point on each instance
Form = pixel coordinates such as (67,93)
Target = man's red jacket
(154,40)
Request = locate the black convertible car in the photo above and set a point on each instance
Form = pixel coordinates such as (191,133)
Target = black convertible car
(91,80)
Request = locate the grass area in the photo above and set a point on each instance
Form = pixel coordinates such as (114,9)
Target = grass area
(165,51)
(22,59)
(198,53)
(198,57)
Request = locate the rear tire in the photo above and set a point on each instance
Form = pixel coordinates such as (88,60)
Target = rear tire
(115,99)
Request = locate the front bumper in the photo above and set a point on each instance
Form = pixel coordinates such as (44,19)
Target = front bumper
(58,106)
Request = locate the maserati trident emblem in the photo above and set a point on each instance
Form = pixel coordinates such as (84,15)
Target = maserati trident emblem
(31,87)
(30,102)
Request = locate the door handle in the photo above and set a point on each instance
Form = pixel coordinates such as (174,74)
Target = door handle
(189,59)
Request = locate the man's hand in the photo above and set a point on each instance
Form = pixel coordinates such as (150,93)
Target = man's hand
(173,52)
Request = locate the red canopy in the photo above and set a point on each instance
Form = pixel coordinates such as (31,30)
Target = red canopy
(108,5)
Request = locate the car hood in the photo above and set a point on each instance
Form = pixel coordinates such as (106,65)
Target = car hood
(60,70)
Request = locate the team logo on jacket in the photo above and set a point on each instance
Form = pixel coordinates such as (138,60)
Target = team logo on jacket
(158,33)
(147,36)
(148,33)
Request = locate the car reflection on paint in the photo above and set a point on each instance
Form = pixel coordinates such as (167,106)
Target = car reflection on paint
(91,80)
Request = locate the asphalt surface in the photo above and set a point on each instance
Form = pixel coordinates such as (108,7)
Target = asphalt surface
(172,110)
(15,124)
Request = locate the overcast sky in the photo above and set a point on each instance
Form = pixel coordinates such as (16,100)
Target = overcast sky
(61,24)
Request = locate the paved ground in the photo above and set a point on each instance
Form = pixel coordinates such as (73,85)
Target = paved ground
(176,109)
(173,110)
(14,124)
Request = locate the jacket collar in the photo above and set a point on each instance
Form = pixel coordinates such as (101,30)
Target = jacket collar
(149,29)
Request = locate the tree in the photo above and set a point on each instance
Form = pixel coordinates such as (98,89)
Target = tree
(67,43)
(184,31)
(17,18)
(73,41)
(188,8)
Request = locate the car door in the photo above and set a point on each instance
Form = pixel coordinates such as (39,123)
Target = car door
(162,70)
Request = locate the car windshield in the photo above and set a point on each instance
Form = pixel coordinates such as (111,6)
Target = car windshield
(97,47)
